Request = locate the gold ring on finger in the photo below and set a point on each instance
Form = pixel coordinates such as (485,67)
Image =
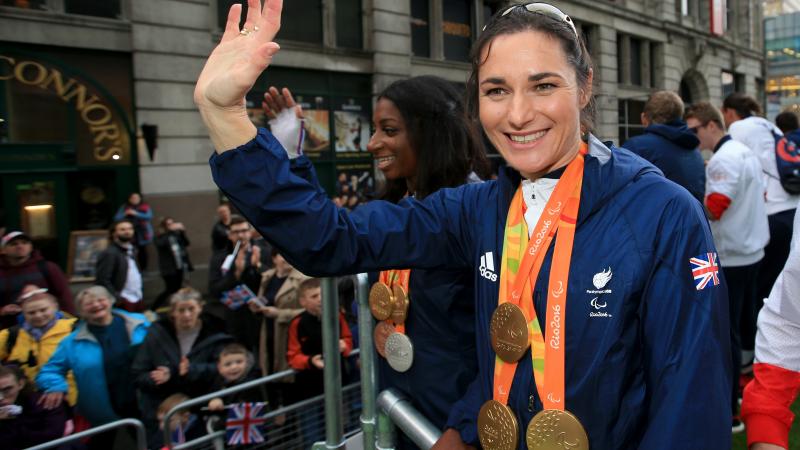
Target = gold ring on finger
(245,31)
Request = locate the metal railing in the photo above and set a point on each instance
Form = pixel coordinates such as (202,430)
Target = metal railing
(379,430)
(332,371)
(141,439)
(410,421)
(368,373)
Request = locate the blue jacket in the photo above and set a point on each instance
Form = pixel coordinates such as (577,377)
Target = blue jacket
(81,353)
(672,147)
(647,354)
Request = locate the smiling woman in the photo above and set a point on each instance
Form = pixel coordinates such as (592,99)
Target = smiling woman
(567,208)
(99,354)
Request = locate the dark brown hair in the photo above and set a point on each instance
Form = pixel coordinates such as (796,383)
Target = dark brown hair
(705,112)
(787,122)
(236,220)
(307,285)
(744,105)
(520,20)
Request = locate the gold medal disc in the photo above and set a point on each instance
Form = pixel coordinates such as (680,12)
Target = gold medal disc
(380,301)
(509,332)
(382,332)
(399,305)
(497,427)
(553,429)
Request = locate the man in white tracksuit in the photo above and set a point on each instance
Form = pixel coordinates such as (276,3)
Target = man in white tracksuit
(742,117)
(735,206)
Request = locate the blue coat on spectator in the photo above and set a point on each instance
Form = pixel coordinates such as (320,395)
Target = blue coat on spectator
(81,353)
(672,147)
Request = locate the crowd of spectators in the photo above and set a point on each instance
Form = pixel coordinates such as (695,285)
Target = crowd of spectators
(114,353)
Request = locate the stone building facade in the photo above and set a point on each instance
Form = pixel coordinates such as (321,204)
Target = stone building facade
(336,55)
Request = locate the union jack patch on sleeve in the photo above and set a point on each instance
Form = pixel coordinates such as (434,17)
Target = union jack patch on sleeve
(704,270)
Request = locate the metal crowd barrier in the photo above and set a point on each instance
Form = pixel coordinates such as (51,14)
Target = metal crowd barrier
(369,376)
(380,432)
(334,431)
(378,429)
(219,435)
(141,439)
(410,421)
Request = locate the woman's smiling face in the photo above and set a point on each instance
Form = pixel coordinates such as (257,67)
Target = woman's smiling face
(390,145)
(530,102)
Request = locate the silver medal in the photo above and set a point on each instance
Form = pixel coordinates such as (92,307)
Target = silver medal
(399,352)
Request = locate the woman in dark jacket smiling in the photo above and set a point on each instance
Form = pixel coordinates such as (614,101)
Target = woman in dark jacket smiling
(178,355)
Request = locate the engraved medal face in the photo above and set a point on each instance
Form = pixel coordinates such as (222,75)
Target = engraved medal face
(399,352)
(554,429)
(399,305)
(382,332)
(509,332)
(497,427)
(380,301)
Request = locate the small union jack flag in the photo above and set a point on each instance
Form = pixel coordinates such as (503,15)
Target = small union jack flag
(704,270)
(243,422)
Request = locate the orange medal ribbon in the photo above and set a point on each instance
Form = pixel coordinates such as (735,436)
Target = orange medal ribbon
(391,278)
(516,286)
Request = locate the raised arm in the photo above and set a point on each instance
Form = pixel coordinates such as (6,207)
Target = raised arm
(232,69)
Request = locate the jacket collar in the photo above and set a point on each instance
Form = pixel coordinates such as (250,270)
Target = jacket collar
(608,169)
(131,323)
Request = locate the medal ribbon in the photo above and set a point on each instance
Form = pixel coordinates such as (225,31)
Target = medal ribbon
(391,278)
(521,262)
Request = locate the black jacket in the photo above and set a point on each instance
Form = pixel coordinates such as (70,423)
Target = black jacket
(161,348)
(166,258)
(219,282)
(219,237)
(111,268)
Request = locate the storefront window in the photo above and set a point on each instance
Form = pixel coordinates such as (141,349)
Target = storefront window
(420,29)
(630,124)
(75,103)
(37,209)
(348,24)
(457,29)
(223,6)
(97,8)
(301,21)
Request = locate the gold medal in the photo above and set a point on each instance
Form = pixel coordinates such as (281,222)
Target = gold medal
(382,332)
(509,332)
(399,305)
(497,427)
(380,301)
(553,429)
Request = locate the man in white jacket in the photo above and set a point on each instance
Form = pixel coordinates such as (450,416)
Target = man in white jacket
(734,203)
(741,113)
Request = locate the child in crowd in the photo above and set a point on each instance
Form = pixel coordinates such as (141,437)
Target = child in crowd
(184,425)
(305,341)
(234,367)
(305,355)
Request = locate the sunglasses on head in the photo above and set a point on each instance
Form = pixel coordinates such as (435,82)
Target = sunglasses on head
(544,9)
